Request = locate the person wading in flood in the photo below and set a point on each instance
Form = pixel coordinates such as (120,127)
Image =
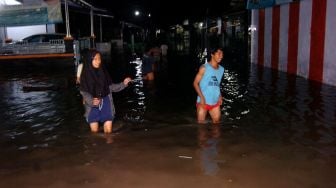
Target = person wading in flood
(207,86)
(96,88)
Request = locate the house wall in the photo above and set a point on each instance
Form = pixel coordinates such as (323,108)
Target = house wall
(298,38)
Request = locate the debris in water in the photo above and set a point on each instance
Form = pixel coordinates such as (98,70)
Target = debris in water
(184,157)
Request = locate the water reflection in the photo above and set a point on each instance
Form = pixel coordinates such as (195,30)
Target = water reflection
(273,104)
(136,99)
(208,138)
(261,103)
(38,117)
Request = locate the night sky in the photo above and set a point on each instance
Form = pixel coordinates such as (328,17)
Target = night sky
(164,13)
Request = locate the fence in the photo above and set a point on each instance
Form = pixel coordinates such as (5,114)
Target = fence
(22,48)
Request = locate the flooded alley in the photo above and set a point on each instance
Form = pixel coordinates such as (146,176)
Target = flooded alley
(277,131)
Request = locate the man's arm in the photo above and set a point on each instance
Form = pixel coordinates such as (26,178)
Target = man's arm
(197,80)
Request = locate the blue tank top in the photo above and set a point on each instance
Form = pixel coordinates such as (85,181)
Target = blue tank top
(210,84)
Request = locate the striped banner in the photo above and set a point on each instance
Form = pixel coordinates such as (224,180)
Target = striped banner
(298,38)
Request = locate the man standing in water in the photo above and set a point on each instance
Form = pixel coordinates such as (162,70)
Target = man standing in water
(207,85)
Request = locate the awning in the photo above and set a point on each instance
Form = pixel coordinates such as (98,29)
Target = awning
(36,13)
(258,4)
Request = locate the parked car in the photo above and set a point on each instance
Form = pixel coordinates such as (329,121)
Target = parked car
(45,37)
(30,42)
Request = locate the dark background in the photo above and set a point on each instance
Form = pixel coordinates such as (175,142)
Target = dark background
(166,13)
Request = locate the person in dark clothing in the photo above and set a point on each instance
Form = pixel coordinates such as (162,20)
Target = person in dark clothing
(96,87)
(148,65)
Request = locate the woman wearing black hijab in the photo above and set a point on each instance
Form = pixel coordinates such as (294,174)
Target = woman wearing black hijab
(96,88)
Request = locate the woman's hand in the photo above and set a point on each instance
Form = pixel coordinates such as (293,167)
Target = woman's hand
(95,101)
(127,81)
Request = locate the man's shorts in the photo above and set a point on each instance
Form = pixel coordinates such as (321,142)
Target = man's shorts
(209,107)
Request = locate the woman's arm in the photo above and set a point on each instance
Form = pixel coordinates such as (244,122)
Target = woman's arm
(120,86)
(117,87)
(88,99)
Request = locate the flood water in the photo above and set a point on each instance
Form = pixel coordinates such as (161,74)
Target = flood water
(277,130)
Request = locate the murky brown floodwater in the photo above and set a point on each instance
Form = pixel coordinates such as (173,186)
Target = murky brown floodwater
(277,131)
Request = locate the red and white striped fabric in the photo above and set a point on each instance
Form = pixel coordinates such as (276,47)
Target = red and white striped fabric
(298,38)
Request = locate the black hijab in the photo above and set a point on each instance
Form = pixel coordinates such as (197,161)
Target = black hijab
(95,81)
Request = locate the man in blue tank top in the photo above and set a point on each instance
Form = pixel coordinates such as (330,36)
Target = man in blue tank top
(207,85)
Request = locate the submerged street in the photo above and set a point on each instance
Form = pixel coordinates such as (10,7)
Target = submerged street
(276,131)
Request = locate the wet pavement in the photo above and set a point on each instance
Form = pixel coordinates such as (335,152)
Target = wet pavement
(277,130)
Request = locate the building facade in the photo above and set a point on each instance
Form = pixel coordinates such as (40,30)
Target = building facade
(297,37)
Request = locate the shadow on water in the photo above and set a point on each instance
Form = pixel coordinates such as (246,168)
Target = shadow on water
(208,138)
